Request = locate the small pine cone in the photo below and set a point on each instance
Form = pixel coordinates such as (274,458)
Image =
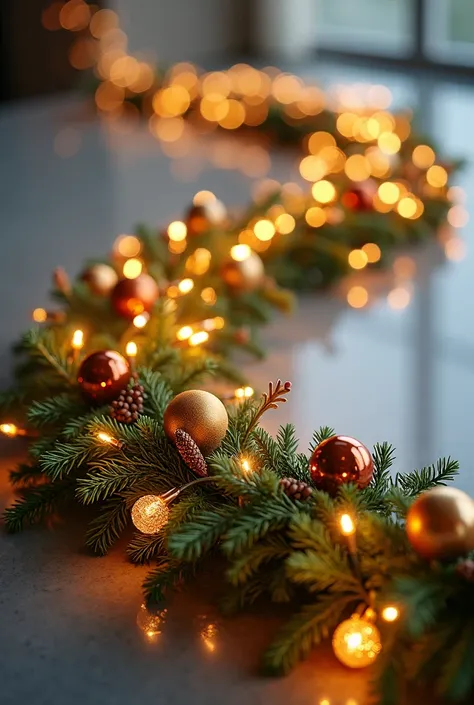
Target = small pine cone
(190,453)
(466,570)
(128,405)
(295,489)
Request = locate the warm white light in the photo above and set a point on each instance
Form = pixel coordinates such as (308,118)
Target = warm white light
(105,438)
(240,252)
(149,514)
(185,285)
(246,467)
(141,320)
(132,268)
(9,429)
(198,338)
(184,333)
(347,525)
(77,340)
(131,349)
(177,231)
(244,392)
(390,613)
(39,315)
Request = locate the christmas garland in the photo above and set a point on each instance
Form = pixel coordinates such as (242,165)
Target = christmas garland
(375,183)
(379,563)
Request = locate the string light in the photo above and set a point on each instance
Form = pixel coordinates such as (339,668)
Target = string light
(128,245)
(390,613)
(357,297)
(177,231)
(347,525)
(150,514)
(324,191)
(244,393)
(9,429)
(131,349)
(132,268)
(150,621)
(198,338)
(357,259)
(264,229)
(246,467)
(184,333)
(77,340)
(185,286)
(107,438)
(356,642)
(239,253)
(141,320)
(39,315)
(372,251)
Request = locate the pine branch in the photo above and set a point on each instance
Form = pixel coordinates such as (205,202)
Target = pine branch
(304,631)
(107,526)
(167,575)
(255,521)
(197,537)
(25,474)
(158,392)
(36,504)
(413,483)
(246,564)
(276,395)
(144,547)
(108,479)
(58,409)
(322,434)
(384,456)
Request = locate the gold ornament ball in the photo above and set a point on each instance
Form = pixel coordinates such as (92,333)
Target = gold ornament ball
(100,278)
(150,513)
(440,523)
(246,275)
(356,642)
(205,216)
(130,297)
(199,413)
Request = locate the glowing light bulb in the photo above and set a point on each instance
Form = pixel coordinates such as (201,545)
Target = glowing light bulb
(246,467)
(132,349)
(128,245)
(198,338)
(177,231)
(186,285)
(77,340)
(39,315)
(150,621)
(150,514)
(9,429)
(347,525)
(132,268)
(356,642)
(390,613)
(107,438)
(244,392)
(141,320)
(239,253)
(358,259)
(184,333)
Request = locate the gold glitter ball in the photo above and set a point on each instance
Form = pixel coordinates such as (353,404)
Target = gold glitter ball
(356,642)
(149,514)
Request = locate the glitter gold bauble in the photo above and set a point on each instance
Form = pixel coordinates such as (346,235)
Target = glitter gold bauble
(150,514)
(245,275)
(201,414)
(100,278)
(102,375)
(205,216)
(130,297)
(440,523)
(356,642)
(338,460)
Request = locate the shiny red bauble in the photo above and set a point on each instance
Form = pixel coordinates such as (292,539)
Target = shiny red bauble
(339,460)
(131,297)
(102,375)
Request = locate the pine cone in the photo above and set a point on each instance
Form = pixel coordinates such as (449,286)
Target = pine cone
(295,489)
(128,405)
(466,570)
(190,453)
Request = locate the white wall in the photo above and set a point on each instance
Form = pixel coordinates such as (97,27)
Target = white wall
(177,30)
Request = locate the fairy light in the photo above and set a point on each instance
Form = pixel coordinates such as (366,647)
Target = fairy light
(285,224)
(198,338)
(372,251)
(399,298)
(77,340)
(390,613)
(184,333)
(185,286)
(150,621)
(389,192)
(128,245)
(202,197)
(239,253)
(39,315)
(110,440)
(244,392)
(356,642)
(389,143)
(358,259)
(177,231)
(437,176)
(357,297)
(9,429)
(132,268)
(407,207)
(150,514)
(347,525)
(323,191)
(264,229)
(209,296)
(246,467)
(141,320)
(423,156)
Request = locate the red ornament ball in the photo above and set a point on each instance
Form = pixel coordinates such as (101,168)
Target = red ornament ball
(102,375)
(204,216)
(357,199)
(131,297)
(338,460)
